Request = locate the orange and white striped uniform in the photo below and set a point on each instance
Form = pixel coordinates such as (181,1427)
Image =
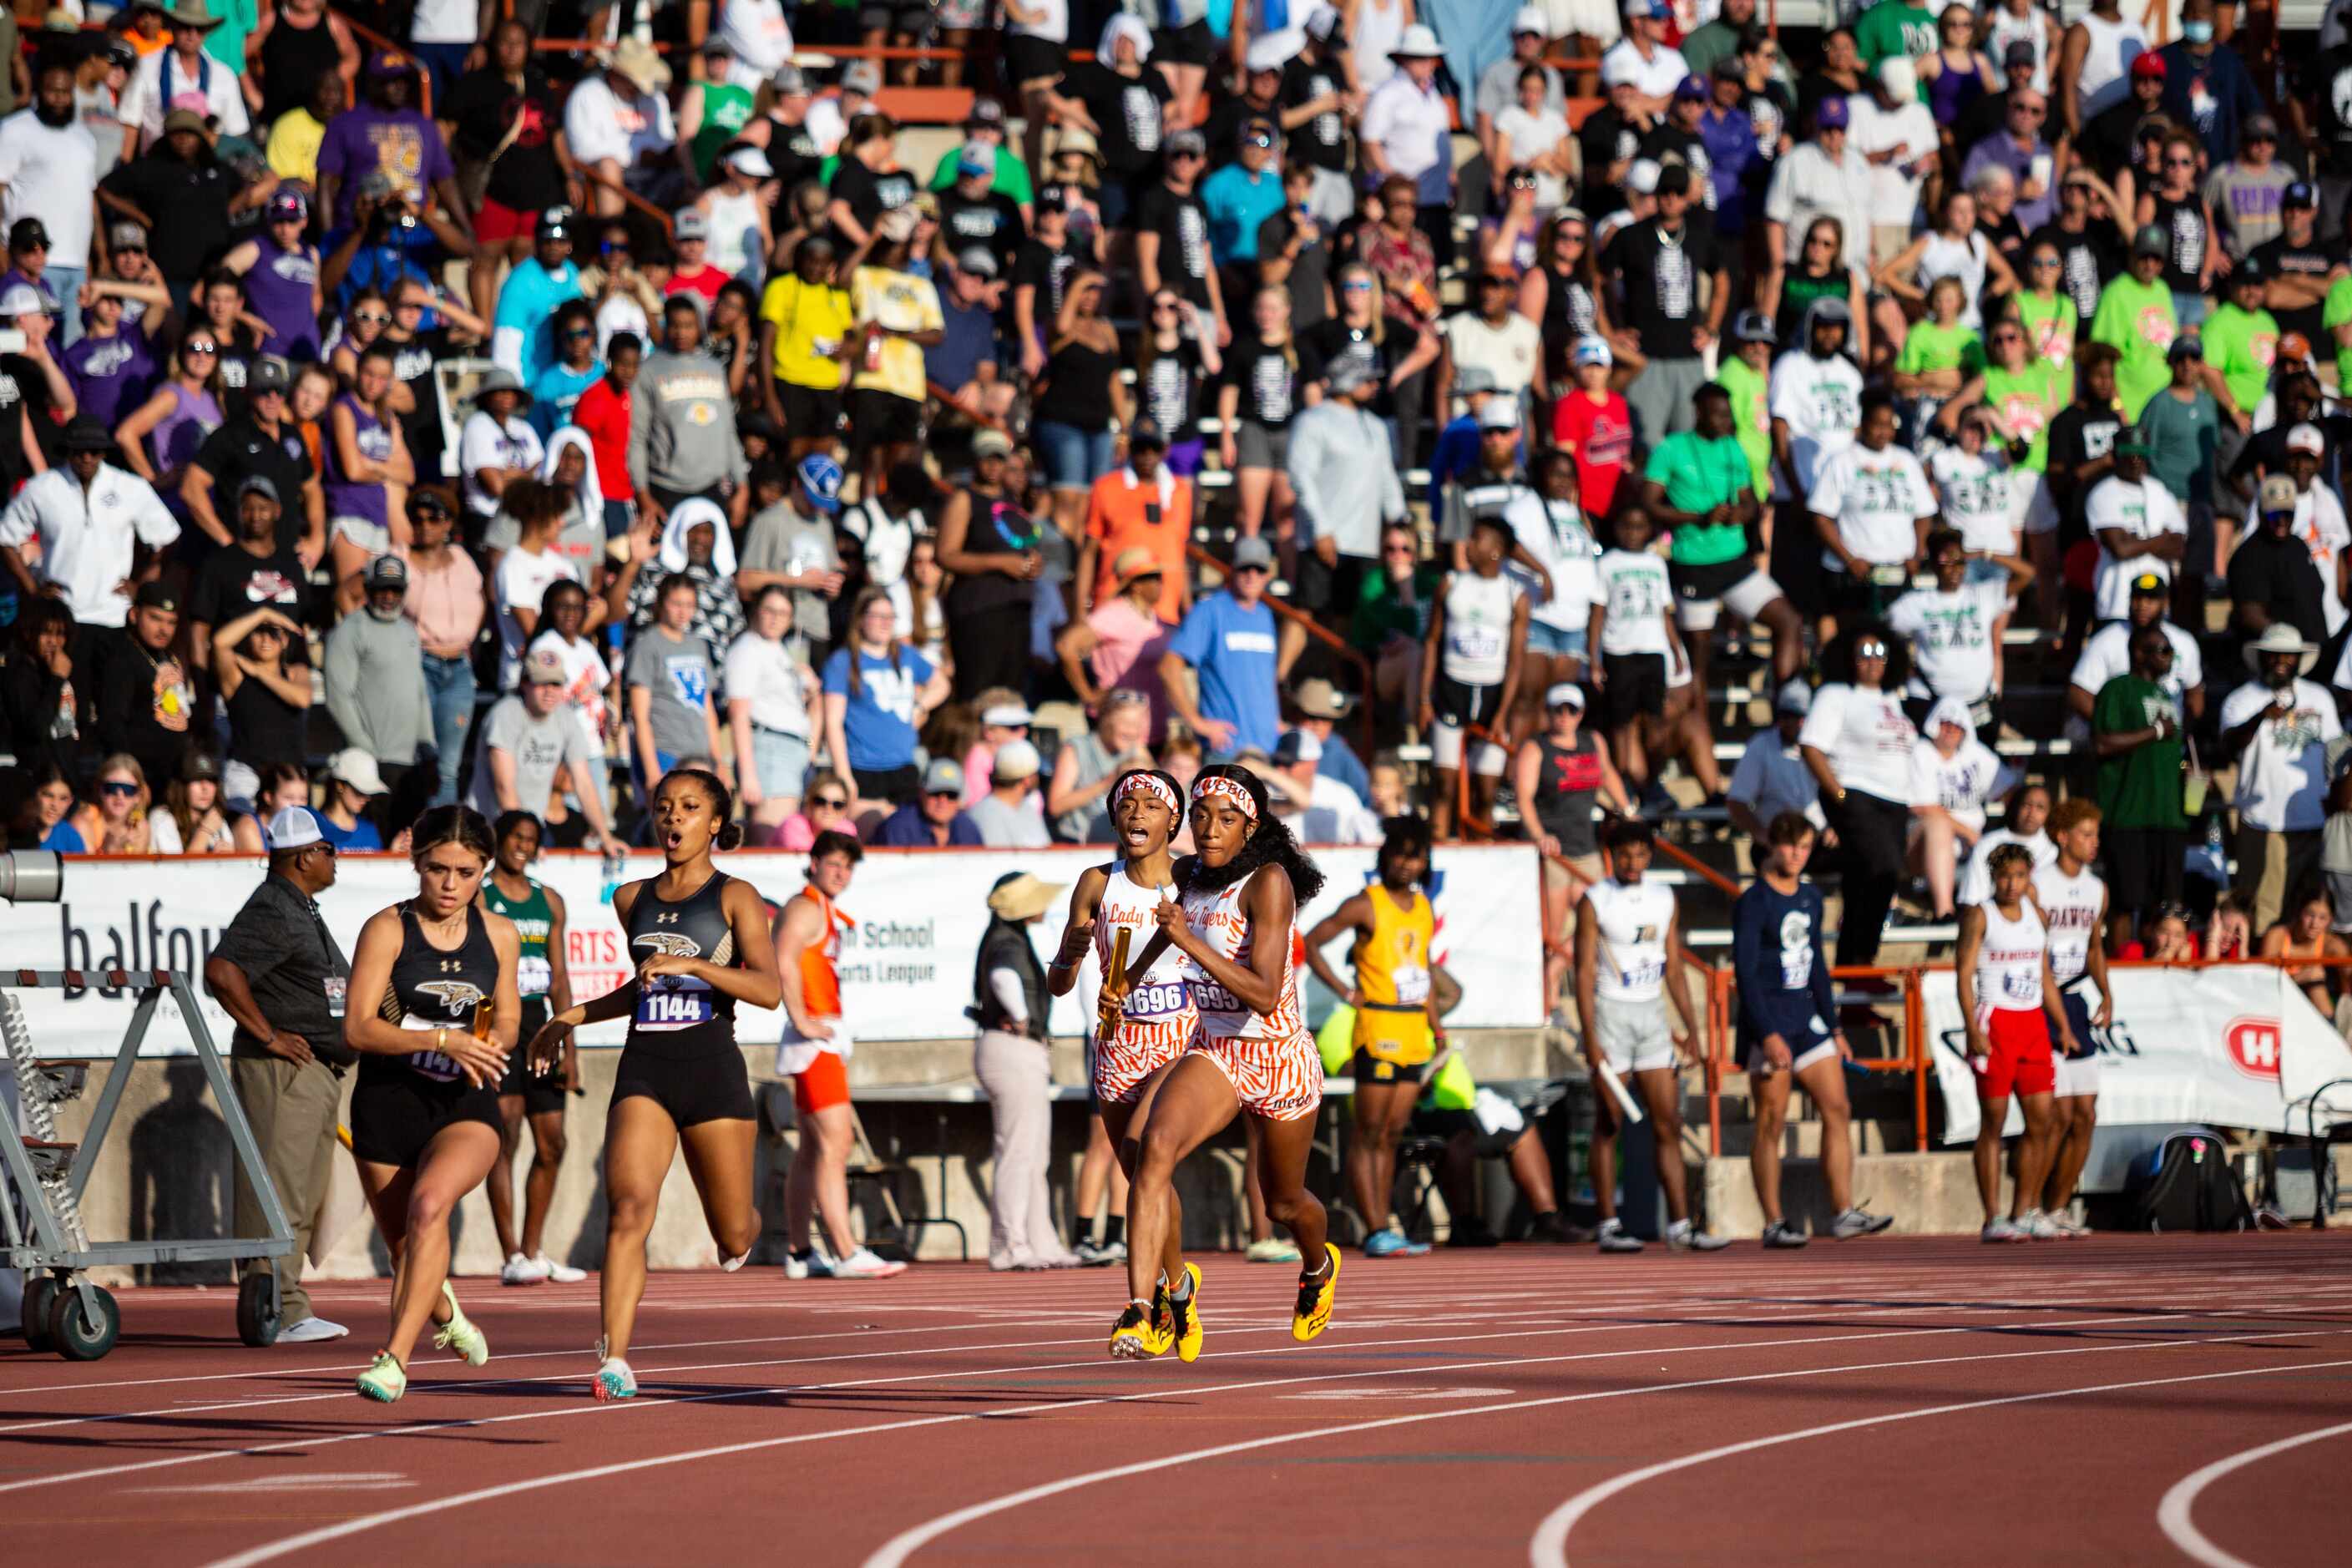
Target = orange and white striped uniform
(1276,1070)
(1158,1018)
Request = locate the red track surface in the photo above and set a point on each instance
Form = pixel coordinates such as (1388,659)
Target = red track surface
(1938,1400)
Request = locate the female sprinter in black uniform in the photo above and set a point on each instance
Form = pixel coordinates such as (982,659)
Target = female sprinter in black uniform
(1240,897)
(701,940)
(435,981)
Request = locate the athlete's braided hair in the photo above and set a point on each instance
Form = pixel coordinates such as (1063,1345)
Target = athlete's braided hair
(1270,843)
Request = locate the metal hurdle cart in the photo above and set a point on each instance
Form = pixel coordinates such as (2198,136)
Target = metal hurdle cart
(64,1311)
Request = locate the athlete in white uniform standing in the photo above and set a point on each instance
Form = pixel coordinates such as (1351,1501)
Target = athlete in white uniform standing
(1628,966)
(2074,903)
(2006,992)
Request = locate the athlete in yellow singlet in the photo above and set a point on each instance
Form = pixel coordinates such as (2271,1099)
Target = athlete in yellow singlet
(1396,1018)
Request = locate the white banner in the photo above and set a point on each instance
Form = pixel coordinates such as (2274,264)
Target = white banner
(2232,1046)
(906,971)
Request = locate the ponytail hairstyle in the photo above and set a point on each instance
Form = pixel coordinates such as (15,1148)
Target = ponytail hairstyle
(730,832)
(458,824)
(1269,843)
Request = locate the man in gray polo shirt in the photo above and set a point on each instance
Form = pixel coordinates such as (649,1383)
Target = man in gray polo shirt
(278,974)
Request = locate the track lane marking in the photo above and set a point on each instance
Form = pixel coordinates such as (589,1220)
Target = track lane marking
(325,1534)
(2172,1514)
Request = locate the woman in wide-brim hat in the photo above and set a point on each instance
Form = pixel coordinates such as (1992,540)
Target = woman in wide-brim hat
(1012,1007)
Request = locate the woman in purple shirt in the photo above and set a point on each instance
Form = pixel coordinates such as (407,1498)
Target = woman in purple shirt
(160,436)
(280,269)
(111,370)
(368,473)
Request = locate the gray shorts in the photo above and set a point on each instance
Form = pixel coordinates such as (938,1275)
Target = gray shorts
(1660,398)
(1256,446)
(1634,1036)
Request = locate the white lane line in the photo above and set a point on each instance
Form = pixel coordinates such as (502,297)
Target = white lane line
(895,1552)
(1548,1549)
(351,1481)
(1450,1338)
(356,1526)
(1762,1318)
(2172,1513)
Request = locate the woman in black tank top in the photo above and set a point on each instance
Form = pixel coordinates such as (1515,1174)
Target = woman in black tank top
(433,1013)
(700,942)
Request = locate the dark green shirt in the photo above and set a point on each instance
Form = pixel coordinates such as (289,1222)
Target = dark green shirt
(2139,788)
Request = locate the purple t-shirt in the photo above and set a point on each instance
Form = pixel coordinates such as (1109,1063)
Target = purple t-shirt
(401,142)
(110,376)
(278,290)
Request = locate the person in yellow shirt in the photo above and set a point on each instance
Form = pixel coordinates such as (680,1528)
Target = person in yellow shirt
(899,317)
(1396,1017)
(292,149)
(804,328)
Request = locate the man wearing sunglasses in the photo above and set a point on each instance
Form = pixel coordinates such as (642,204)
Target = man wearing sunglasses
(522,329)
(278,974)
(2022,148)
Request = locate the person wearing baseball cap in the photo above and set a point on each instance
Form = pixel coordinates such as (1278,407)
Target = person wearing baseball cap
(1228,641)
(1498,84)
(1656,67)
(530,741)
(972,213)
(2298,263)
(1825,176)
(1142,504)
(280,974)
(354,787)
(2138,319)
(2274,581)
(95,525)
(2139,524)
(935,818)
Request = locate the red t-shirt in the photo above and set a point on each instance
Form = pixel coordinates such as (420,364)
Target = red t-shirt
(603,413)
(707,283)
(1602,434)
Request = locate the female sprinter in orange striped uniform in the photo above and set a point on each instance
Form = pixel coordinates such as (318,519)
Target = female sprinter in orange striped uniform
(1252,1054)
(1154,1008)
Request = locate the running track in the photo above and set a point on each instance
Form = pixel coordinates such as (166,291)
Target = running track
(2120,1399)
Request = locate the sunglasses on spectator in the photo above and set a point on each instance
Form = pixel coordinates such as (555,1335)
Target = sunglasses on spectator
(119,787)
(580,333)
(2045,261)
(409,305)
(2180,163)
(830,802)
(1569,236)
(193,347)
(373,317)
(1870,650)
(1356,286)
(1263,571)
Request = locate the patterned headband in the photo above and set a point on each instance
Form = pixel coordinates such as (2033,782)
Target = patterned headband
(1145,783)
(1219,787)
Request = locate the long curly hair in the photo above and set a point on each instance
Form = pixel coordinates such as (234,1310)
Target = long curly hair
(1269,843)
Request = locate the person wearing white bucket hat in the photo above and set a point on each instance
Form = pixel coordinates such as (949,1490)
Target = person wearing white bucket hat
(1404,127)
(2277,726)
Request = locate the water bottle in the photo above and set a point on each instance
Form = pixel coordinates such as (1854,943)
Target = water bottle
(616,861)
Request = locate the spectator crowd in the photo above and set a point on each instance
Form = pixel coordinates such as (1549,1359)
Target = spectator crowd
(481,418)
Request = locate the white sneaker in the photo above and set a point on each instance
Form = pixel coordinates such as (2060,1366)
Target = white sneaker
(2037,1226)
(310,1331)
(521,1270)
(1611,1237)
(561,1273)
(1682,1236)
(2002,1228)
(863,1265)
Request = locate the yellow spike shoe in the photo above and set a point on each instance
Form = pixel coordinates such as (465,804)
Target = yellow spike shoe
(459,1333)
(1185,1312)
(1313,1313)
(385,1381)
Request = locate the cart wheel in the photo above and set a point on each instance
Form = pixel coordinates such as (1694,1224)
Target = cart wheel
(258,1313)
(39,1291)
(74,1336)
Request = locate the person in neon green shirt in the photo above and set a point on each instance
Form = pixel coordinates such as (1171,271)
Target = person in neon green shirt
(2242,339)
(2024,392)
(2136,319)
(2046,310)
(1746,374)
(1699,483)
(2336,314)
(1939,353)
